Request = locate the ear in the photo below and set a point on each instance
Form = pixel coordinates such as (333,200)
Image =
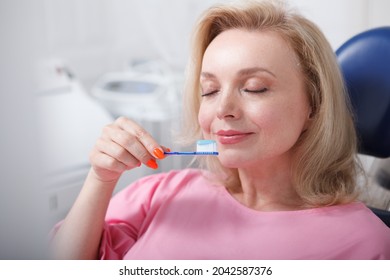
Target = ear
(309,118)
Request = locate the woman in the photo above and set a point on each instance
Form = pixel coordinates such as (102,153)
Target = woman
(264,83)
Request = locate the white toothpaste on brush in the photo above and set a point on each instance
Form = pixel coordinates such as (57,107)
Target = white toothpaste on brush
(203,148)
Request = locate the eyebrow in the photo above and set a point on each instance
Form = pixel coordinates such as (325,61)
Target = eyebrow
(242,72)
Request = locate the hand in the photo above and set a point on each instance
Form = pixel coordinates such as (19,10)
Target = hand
(122,146)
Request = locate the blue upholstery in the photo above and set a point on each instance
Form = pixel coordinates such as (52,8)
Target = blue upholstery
(365,63)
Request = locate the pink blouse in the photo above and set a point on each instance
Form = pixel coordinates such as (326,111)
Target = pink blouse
(183,215)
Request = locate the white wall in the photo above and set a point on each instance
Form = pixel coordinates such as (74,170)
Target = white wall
(22,218)
(94,37)
(341,19)
(100,36)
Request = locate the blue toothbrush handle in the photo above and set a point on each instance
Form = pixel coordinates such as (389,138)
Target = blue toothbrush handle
(190,153)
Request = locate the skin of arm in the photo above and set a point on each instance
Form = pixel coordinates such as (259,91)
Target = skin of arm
(123,145)
(79,235)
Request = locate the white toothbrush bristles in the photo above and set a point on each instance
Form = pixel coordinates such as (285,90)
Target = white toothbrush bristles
(203,146)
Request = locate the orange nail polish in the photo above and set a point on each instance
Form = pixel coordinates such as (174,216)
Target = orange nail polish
(158,153)
(152,164)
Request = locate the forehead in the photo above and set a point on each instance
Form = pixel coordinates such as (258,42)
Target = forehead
(239,47)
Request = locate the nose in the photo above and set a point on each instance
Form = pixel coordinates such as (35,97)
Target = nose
(228,105)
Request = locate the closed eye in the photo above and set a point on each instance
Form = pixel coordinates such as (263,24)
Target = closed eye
(262,90)
(209,93)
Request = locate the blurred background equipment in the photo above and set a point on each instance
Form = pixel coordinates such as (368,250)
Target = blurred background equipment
(365,63)
(70,122)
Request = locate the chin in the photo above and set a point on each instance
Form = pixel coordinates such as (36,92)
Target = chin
(230,161)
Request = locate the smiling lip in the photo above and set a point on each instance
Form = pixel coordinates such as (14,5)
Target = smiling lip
(232,136)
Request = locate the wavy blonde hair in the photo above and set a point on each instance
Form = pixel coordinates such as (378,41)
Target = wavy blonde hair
(326,165)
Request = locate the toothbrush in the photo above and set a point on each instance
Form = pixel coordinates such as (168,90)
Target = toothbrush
(203,148)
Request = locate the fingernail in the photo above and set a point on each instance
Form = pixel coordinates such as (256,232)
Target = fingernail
(158,153)
(152,164)
(168,150)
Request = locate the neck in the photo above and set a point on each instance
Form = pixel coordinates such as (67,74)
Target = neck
(268,187)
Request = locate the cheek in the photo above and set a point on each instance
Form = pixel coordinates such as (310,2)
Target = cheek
(279,125)
(204,120)
(262,116)
(286,124)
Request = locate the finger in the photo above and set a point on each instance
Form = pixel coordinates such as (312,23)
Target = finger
(106,162)
(129,141)
(107,130)
(117,152)
(166,149)
(150,144)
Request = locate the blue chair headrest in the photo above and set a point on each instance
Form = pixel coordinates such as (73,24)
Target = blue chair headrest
(365,64)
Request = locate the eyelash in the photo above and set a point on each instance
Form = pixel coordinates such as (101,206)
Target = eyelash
(256,91)
(209,93)
(245,90)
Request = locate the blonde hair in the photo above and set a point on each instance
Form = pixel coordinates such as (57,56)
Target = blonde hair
(326,165)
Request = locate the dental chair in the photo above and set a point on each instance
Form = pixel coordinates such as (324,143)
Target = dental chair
(365,63)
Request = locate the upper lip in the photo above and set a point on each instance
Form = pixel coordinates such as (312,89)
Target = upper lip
(231,132)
